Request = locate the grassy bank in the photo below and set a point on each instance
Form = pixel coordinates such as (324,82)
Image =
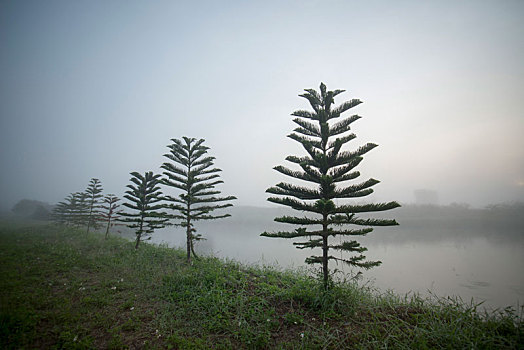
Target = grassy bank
(62,288)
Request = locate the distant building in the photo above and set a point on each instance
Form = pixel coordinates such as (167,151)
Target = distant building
(426,197)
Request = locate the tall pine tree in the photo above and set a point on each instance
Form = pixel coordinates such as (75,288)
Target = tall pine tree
(193,173)
(144,198)
(329,168)
(93,194)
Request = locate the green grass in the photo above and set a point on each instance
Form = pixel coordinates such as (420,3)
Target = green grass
(62,288)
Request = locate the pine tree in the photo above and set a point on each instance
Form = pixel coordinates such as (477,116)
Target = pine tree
(328,167)
(72,211)
(109,213)
(144,198)
(195,175)
(60,213)
(79,209)
(93,194)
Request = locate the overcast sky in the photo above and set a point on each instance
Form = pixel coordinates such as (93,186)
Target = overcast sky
(98,89)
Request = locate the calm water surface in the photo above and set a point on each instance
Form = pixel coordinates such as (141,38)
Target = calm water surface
(443,262)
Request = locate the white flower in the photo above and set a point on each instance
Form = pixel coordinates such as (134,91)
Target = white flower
(132,308)
(302,335)
(75,338)
(113,288)
(268,320)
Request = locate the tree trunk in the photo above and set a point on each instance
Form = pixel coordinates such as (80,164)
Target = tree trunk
(188,207)
(193,250)
(137,241)
(89,218)
(325,252)
(188,242)
(108,224)
(188,234)
(139,232)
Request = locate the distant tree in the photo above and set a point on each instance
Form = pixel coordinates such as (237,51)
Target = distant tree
(327,167)
(72,211)
(195,175)
(60,213)
(144,198)
(109,211)
(25,207)
(32,209)
(93,195)
(80,209)
(40,213)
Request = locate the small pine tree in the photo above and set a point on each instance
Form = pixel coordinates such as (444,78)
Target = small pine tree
(93,194)
(144,198)
(109,213)
(327,167)
(78,209)
(72,211)
(60,213)
(195,176)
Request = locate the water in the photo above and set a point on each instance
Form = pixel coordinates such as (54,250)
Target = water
(471,260)
(476,268)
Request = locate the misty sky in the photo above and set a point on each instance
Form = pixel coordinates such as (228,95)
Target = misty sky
(98,89)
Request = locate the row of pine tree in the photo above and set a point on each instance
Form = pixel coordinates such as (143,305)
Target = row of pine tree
(190,170)
(88,209)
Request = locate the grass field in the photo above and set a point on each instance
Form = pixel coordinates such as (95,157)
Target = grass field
(61,288)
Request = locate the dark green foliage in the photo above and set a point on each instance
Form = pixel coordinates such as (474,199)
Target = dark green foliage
(41,213)
(144,198)
(109,211)
(73,211)
(93,194)
(328,167)
(32,209)
(24,207)
(196,177)
(79,209)
(60,212)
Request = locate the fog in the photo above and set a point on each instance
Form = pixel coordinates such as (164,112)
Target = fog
(97,89)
